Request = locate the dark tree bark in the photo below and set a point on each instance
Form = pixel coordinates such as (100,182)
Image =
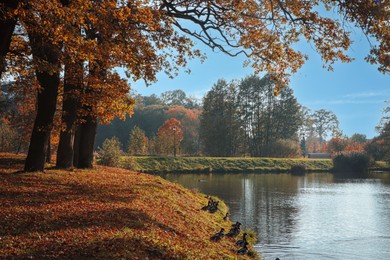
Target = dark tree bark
(44,51)
(72,84)
(7,27)
(87,142)
(76,146)
(47,100)
(48,153)
(49,80)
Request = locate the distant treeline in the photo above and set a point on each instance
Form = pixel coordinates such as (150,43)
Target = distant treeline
(244,117)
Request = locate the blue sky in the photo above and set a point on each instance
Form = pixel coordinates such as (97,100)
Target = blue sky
(355,92)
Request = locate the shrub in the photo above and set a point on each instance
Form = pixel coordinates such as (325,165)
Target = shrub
(351,162)
(8,138)
(137,142)
(130,163)
(110,152)
(285,148)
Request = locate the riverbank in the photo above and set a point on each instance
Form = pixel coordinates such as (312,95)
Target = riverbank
(104,213)
(169,164)
(152,164)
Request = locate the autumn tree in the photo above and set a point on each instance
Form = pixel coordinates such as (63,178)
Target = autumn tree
(169,137)
(18,109)
(113,41)
(8,21)
(137,142)
(336,145)
(146,37)
(189,119)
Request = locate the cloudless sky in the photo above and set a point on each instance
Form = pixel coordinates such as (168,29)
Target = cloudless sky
(356,92)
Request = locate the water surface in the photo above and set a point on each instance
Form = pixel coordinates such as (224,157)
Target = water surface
(317,216)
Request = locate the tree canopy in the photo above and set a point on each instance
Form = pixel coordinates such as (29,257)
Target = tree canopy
(93,38)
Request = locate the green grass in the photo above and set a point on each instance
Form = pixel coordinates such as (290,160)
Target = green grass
(220,164)
(380,166)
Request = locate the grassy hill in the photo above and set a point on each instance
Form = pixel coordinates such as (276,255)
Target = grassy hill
(104,213)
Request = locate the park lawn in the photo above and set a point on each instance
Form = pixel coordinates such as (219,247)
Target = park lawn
(153,164)
(104,213)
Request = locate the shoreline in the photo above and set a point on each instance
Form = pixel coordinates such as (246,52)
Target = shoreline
(106,213)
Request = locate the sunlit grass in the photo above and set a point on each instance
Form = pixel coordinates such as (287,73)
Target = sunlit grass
(104,213)
(228,164)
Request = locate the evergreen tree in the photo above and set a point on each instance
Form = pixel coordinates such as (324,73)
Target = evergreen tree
(265,117)
(303,147)
(219,120)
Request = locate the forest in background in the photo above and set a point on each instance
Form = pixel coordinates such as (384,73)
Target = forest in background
(239,118)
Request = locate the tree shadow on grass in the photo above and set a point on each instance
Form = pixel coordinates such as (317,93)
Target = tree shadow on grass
(11,163)
(28,205)
(28,191)
(49,205)
(117,248)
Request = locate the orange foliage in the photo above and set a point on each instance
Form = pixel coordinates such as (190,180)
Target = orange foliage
(171,127)
(354,147)
(145,37)
(338,144)
(170,135)
(188,117)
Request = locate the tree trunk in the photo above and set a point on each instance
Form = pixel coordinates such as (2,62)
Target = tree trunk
(76,146)
(48,153)
(47,100)
(7,27)
(87,142)
(87,129)
(72,83)
(43,51)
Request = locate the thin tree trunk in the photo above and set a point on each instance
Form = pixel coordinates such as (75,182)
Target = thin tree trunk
(72,82)
(7,27)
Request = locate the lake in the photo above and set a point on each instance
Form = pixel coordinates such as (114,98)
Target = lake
(316,216)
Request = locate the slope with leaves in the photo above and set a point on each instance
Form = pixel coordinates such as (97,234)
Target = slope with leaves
(104,213)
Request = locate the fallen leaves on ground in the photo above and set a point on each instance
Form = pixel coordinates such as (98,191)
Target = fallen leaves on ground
(104,213)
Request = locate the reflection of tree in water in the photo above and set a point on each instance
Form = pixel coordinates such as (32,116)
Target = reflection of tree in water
(301,216)
(263,202)
(268,206)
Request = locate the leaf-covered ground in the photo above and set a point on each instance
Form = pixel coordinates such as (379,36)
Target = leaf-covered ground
(104,213)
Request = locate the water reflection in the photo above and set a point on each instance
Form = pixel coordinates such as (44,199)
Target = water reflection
(301,217)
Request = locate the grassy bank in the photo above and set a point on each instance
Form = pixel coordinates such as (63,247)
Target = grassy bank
(380,166)
(104,213)
(214,164)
